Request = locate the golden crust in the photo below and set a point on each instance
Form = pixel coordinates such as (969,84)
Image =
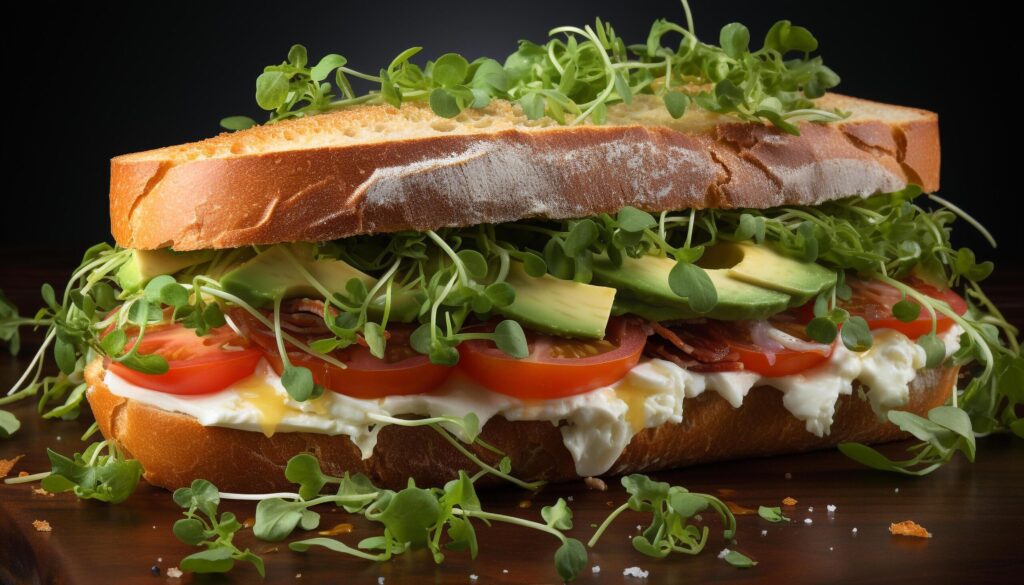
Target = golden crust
(174,448)
(379,169)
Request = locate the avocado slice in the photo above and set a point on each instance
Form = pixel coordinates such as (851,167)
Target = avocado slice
(559,307)
(145,265)
(273,274)
(646,280)
(766,268)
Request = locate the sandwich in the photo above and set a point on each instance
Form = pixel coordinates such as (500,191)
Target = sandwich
(589,259)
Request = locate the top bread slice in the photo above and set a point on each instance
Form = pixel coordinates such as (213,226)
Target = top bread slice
(372,169)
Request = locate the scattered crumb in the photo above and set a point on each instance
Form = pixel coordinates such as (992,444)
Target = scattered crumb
(725,552)
(896,491)
(159,559)
(595,483)
(42,526)
(174,573)
(639,528)
(789,475)
(635,572)
(58,437)
(764,533)
(698,518)
(569,498)
(473,577)
(808,521)
(154,527)
(909,528)
(595,569)
(739,510)
(22,473)
(610,504)
(298,575)
(380,580)
(831,548)
(504,571)
(6,465)
(810,508)
(343,528)
(789,501)
(854,531)
(523,504)
(248,522)
(268,550)
(41,492)
(831,509)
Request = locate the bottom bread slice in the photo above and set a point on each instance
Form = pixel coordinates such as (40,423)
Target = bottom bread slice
(174,448)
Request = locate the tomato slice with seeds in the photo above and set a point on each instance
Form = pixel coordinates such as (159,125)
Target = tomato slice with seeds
(801,354)
(402,371)
(196,365)
(556,367)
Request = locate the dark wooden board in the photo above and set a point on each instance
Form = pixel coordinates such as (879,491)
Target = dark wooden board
(976,513)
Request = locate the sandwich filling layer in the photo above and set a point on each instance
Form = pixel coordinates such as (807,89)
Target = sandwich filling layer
(596,426)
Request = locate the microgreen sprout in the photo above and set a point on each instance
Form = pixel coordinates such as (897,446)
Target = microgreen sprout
(576,76)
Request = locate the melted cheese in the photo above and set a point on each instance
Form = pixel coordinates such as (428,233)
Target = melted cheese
(595,427)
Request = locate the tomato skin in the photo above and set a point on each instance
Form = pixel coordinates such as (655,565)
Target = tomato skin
(874,301)
(196,365)
(787,362)
(367,377)
(542,377)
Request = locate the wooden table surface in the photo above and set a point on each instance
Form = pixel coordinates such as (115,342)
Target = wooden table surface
(975,512)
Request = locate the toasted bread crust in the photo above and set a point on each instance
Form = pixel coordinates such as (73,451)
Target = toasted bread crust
(303,180)
(174,448)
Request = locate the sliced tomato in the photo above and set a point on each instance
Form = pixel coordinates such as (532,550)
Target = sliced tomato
(556,367)
(196,365)
(402,371)
(874,300)
(779,361)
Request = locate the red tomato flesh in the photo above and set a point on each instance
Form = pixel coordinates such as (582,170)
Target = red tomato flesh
(874,300)
(402,371)
(556,367)
(196,365)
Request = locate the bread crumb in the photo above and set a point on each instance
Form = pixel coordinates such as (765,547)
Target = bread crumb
(738,510)
(474,577)
(42,526)
(808,521)
(831,548)
(595,483)
(725,552)
(524,504)
(596,569)
(298,575)
(380,580)
(504,571)
(810,508)
(909,528)
(764,533)
(41,492)
(789,475)
(568,498)
(635,572)
(22,473)
(831,509)
(854,531)
(6,465)
(896,491)
(789,501)
(248,522)
(174,573)
(343,528)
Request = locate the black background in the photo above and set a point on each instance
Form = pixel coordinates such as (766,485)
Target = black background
(87,83)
